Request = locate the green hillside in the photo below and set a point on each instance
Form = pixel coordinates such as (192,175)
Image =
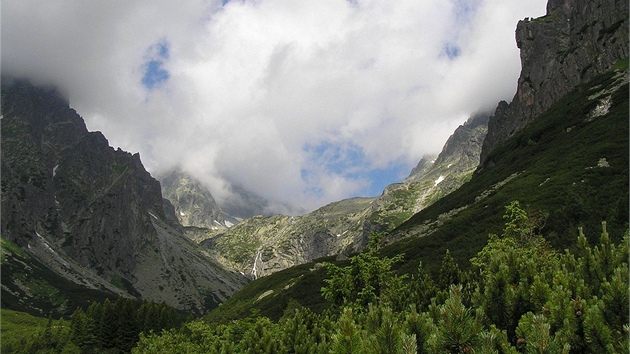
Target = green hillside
(565,168)
(31,287)
(568,167)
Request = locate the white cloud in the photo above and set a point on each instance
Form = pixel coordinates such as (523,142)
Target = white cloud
(251,84)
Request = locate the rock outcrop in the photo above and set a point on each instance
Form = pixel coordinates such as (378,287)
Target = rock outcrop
(193,203)
(77,204)
(575,41)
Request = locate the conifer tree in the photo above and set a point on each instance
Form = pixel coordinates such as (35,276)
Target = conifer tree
(458,326)
(348,339)
(368,279)
(450,274)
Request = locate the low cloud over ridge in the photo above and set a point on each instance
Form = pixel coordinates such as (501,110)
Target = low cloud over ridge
(300,102)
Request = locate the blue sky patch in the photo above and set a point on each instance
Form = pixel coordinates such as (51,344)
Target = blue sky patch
(349,161)
(382,177)
(451,50)
(154,73)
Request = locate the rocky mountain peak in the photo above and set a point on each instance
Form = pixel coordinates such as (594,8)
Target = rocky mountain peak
(90,213)
(193,202)
(57,176)
(575,41)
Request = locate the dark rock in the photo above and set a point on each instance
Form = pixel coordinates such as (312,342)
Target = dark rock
(83,208)
(192,202)
(575,41)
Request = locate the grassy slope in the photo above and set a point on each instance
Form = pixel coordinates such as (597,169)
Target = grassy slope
(19,325)
(554,157)
(46,289)
(556,176)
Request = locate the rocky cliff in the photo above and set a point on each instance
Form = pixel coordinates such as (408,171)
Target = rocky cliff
(92,213)
(193,204)
(575,41)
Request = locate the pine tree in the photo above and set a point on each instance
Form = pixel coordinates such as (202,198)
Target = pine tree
(535,336)
(368,279)
(450,274)
(348,339)
(458,326)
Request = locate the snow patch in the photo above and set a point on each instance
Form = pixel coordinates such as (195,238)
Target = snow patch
(228,224)
(55,170)
(438,181)
(153,215)
(181,213)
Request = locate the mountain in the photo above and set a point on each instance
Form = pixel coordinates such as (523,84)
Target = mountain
(567,164)
(193,203)
(574,42)
(90,214)
(263,245)
(568,168)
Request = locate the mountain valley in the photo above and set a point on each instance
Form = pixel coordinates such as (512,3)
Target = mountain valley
(83,223)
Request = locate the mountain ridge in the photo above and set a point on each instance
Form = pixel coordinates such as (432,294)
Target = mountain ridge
(90,213)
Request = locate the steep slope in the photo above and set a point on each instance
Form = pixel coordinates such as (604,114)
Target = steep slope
(570,164)
(90,213)
(193,203)
(576,41)
(434,178)
(263,245)
(567,163)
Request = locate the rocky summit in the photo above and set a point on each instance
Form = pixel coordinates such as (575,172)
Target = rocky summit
(193,204)
(92,214)
(575,41)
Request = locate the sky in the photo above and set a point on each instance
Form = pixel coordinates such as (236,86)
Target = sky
(301,102)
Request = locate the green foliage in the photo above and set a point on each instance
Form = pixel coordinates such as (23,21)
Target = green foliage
(523,297)
(104,327)
(368,278)
(535,337)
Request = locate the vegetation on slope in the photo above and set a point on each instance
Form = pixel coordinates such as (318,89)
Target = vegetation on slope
(104,327)
(570,166)
(551,167)
(29,286)
(521,296)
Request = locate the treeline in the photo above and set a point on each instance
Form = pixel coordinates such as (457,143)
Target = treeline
(107,327)
(521,297)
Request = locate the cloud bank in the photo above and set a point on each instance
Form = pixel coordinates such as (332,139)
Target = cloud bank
(300,102)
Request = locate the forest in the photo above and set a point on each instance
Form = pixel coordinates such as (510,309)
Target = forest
(520,296)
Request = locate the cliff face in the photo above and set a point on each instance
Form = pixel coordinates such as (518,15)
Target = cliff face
(91,213)
(575,41)
(61,181)
(193,204)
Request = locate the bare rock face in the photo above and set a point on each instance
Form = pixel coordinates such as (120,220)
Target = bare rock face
(575,41)
(77,204)
(61,181)
(193,203)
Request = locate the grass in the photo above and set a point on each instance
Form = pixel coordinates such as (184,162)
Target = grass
(17,326)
